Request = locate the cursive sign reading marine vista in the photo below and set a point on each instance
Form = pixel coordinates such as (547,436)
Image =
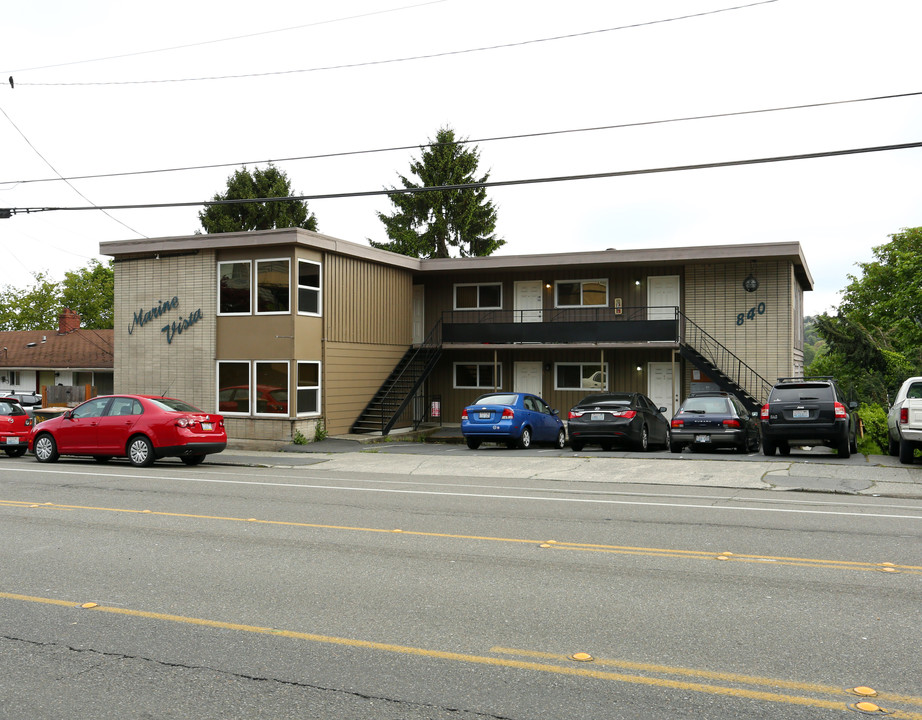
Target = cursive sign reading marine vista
(142,317)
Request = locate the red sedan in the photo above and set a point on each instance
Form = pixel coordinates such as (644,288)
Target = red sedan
(15,426)
(142,428)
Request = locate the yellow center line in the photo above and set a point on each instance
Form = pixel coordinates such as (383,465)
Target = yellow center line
(581,671)
(588,547)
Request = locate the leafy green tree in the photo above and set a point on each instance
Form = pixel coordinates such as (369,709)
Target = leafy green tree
(429,224)
(88,291)
(241,217)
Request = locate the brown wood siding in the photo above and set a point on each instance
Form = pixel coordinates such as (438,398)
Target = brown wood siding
(353,373)
(366,302)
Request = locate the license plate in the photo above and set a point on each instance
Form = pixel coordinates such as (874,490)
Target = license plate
(597,416)
(207,426)
(11,440)
(702,438)
(801,413)
(485,415)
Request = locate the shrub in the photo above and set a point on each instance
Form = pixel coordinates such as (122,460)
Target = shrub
(298,438)
(320,431)
(874,419)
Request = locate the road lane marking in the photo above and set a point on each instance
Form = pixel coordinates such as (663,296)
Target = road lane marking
(581,671)
(543,543)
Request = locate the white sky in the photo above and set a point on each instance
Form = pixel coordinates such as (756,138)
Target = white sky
(776,54)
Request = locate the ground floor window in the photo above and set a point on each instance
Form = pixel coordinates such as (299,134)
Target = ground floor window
(234,387)
(271,387)
(308,397)
(478,375)
(580,376)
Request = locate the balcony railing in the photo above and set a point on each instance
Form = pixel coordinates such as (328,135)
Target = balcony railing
(561,325)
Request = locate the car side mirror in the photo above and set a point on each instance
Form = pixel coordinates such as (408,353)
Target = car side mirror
(69,415)
(853,405)
(554,412)
(662,410)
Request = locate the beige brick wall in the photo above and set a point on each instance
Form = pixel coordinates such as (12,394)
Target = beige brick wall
(145,362)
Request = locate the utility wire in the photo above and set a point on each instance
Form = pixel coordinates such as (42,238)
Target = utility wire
(221,40)
(5,212)
(521,136)
(429,56)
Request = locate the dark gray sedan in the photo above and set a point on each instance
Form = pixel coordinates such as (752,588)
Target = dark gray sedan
(618,418)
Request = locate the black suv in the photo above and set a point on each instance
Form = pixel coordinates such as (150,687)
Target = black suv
(808,411)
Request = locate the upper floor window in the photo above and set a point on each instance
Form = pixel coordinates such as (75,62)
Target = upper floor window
(581,293)
(234,287)
(479,296)
(272,286)
(308,287)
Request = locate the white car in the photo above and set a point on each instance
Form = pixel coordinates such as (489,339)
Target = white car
(904,421)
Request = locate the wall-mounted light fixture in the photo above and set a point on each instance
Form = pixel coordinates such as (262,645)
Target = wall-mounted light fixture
(639,368)
(547,367)
(547,285)
(637,282)
(750,284)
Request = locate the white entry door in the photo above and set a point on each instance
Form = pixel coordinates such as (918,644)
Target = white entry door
(660,389)
(662,297)
(529,301)
(528,378)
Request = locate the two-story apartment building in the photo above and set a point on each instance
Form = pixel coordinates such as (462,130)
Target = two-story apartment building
(281,329)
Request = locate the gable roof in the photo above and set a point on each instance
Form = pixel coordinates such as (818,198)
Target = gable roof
(50,350)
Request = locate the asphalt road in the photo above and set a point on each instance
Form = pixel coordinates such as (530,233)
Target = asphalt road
(415,585)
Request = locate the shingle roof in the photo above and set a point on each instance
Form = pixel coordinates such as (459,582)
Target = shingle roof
(47,349)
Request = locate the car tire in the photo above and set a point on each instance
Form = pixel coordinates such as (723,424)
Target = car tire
(561,440)
(15,452)
(45,448)
(140,451)
(525,440)
(668,441)
(606,446)
(576,445)
(853,445)
(192,459)
(644,443)
(473,444)
(756,444)
(907,452)
(768,447)
(784,448)
(893,447)
(675,447)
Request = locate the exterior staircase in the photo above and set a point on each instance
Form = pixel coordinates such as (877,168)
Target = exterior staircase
(401,386)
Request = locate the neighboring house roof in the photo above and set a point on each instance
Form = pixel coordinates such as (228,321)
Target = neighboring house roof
(50,350)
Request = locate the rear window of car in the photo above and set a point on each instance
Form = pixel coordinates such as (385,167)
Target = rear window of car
(711,405)
(915,391)
(10,408)
(796,393)
(505,399)
(606,400)
(173,405)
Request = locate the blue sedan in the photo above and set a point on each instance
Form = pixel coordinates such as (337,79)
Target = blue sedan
(516,419)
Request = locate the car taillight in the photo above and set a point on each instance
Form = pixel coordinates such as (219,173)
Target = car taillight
(678,423)
(574,414)
(625,413)
(904,416)
(764,413)
(731,422)
(184,422)
(840,411)
(464,414)
(508,413)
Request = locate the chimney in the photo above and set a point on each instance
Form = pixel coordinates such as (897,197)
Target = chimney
(68,321)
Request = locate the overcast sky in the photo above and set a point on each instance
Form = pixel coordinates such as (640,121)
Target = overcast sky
(116,87)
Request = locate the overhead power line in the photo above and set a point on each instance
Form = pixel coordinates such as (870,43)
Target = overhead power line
(6,212)
(520,136)
(413,58)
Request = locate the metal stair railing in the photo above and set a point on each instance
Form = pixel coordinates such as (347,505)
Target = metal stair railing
(718,355)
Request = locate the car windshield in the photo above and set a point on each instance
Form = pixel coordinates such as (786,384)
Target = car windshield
(504,399)
(711,406)
(173,405)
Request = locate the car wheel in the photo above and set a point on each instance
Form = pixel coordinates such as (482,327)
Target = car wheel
(576,445)
(561,440)
(15,452)
(755,444)
(192,459)
(102,458)
(907,452)
(893,447)
(644,443)
(140,451)
(45,448)
(473,444)
(784,448)
(675,447)
(606,446)
(768,447)
(525,440)
(853,445)
(667,443)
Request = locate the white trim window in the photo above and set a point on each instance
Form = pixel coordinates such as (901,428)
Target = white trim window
(474,375)
(308,383)
(233,387)
(273,286)
(581,376)
(309,288)
(270,387)
(234,287)
(478,296)
(581,293)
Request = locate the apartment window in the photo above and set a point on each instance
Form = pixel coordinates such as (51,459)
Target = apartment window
(482,296)
(308,388)
(14,377)
(233,387)
(478,375)
(234,288)
(581,293)
(272,287)
(581,376)
(308,287)
(271,387)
